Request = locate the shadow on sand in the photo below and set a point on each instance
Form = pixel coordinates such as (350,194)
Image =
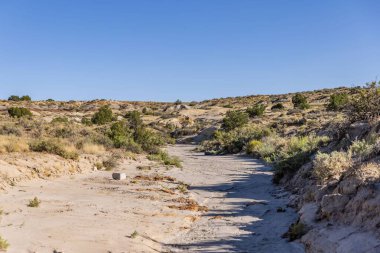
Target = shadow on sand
(250,193)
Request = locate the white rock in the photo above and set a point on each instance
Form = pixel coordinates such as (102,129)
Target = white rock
(119,176)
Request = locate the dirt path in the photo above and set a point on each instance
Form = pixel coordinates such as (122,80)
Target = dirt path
(242,204)
(152,211)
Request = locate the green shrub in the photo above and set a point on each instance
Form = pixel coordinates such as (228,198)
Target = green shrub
(17,98)
(18,112)
(299,101)
(60,120)
(10,129)
(120,134)
(135,136)
(366,106)
(63,132)
(235,140)
(86,121)
(3,244)
(26,98)
(54,147)
(150,141)
(296,151)
(256,110)
(362,149)
(134,234)
(331,165)
(234,119)
(50,100)
(337,101)
(289,164)
(34,202)
(296,231)
(134,119)
(253,147)
(165,159)
(103,116)
(14,98)
(278,106)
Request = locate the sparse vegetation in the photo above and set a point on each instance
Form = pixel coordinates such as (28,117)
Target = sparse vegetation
(234,119)
(17,98)
(103,116)
(256,110)
(133,135)
(330,165)
(18,112)
(338,101)
(111,162)
(278,106)
(366,106)
(134,234)
(296,231)
(165,159)
(60,120)
(3,244)
(300,101)
(235,140)
(10,144)
(34,202)
(54,146)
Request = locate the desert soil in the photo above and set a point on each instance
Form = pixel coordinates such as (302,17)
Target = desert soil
(230,206)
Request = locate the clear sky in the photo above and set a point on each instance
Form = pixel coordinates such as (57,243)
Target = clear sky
(186,49)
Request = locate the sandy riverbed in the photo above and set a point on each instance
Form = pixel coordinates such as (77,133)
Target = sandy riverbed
(92,213)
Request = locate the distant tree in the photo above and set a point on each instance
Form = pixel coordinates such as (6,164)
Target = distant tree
(14,98)
(26,98)
(234,119)
(178,102)
(17,98)
(50,100)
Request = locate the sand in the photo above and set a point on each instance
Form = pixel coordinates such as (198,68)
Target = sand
(152,212)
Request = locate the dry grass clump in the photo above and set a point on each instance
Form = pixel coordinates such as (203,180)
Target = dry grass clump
(363,150)
(112,162)
(155,178)
(296,231)
(369,172)
(10,129)
(10,144)
(55,146)
(91,148)
(331,165)
(166,159)
(188,204)
(34,202)
(3,244)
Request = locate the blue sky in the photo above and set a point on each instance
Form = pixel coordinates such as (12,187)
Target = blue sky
(191,50)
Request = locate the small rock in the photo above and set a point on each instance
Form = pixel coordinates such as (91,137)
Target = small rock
(119,176)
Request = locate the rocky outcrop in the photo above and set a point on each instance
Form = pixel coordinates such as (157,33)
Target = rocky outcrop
(343,214)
